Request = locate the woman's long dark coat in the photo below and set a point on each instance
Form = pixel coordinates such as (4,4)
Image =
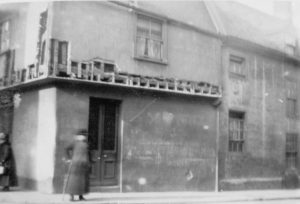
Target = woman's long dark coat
(6,159)
(78,178)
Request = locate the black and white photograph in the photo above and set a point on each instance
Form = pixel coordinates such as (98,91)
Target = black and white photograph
(150,102)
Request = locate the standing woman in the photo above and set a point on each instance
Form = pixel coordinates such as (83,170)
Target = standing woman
(78,155)
(5,161)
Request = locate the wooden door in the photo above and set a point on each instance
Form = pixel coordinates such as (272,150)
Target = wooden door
(103,140)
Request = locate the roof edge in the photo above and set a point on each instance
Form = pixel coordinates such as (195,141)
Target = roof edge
(171,20)
(263,50)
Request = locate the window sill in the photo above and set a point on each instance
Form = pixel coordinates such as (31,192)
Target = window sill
(236,155)
(151,60)
(292,117)
(238,76)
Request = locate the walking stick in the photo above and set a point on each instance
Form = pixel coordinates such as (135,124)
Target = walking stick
(66,180)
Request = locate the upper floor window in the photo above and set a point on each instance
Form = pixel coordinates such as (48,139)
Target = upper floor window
(62,52)
(4,36)
(291,149)
(236,131)
(3,65)
(58,52)
(150,41)
(237,65)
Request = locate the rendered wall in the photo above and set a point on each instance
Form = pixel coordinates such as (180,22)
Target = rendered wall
(23,30)
(106,30)
(33,138)
(169,142)
(17,34)
(24,135)
(261,95)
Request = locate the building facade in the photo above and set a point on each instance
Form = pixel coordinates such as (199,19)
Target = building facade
(259,113)
(131,75)
(176,96)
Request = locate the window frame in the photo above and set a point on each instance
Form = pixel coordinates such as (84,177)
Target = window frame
(291,90)
(291,149)
(237,134)
(8,35)
(235,58)
(163,59)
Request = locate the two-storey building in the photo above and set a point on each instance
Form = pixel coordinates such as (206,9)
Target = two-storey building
(145,79)
(259,115)
(142,78)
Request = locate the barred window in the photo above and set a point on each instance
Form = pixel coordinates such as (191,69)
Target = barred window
(149,39)
(236,131)
(291,149)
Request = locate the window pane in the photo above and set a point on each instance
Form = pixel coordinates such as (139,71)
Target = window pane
(236,131)
(63,53)
(4,33)
(141,46)
(155,49)
(241,135)
(143,32)
(3,65)
(230,135)
(236,65)
(143,22)
(230,125)
(149,37)
(291,149)
(156,29)
(43,52)
(109,137)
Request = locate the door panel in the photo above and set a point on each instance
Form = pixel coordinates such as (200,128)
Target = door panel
(104,150)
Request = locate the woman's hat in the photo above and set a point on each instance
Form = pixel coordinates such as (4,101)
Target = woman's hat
(82,132)
(3,136)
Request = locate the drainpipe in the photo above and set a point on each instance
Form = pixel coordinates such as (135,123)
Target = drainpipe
(217,149)
(217,104)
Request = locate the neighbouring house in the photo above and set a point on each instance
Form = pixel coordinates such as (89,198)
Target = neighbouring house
(143,78)
(259,119)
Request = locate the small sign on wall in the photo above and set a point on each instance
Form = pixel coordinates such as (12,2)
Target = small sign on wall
(236,92)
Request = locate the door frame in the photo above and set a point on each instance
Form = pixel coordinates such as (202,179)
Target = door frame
(119,136)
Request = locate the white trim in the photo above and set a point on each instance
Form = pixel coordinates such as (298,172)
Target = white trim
(254,179)
(46,139)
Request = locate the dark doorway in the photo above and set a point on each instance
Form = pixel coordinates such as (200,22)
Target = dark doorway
(103,141)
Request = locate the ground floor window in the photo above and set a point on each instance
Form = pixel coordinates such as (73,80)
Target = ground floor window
(291,149)
(236,131)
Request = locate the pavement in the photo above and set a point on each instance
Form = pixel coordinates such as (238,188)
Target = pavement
(33,197)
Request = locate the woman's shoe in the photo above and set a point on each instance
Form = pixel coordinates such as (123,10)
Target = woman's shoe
(81,197)
(5,188)
(71,197)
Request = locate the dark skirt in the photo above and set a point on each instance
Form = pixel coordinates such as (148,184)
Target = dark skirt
(78,179)
(9,177)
